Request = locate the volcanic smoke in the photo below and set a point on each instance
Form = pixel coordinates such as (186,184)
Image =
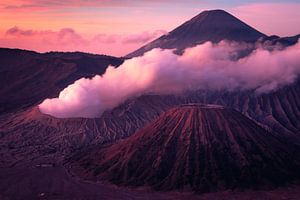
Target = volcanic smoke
(207,66)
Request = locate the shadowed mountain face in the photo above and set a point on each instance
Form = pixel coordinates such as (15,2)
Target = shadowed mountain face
(27,77)
(202,147)
(274,40)
(30,134)
(214,26)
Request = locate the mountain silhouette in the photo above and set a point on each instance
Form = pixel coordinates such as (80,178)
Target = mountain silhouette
(213,25)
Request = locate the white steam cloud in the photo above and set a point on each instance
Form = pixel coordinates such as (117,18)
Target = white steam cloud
(207,66)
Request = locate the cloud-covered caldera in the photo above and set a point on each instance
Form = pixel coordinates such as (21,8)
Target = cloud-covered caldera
(207,66)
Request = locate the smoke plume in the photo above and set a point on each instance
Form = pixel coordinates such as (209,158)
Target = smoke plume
(207,66)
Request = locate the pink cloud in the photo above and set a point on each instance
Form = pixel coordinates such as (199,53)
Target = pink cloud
(47,38)
(143,37)
(271,18)
(16,31)
(106,38)
(67,39)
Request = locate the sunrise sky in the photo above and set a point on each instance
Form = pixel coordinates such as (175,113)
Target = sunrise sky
(117,27)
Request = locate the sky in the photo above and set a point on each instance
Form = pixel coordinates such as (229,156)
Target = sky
(117,27)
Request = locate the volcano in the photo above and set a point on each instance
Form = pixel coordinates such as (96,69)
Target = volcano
(201,147)
(213,25)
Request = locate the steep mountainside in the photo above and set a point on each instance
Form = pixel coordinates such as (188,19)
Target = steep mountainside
(27,77)
(30,134)
(202,147)
(214,26)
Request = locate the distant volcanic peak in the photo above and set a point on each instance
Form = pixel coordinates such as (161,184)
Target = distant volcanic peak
(217,25)
(204,148)
(218,13)
(212,25)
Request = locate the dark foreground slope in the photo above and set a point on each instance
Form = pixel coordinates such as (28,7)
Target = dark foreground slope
(54,183)
(27,77)
(201,147)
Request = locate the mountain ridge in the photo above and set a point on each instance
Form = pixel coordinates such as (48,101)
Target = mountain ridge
(38,76)
(201,147)
(211,25)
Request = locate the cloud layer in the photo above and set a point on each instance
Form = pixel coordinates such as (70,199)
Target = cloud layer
(67,39)
(207,66)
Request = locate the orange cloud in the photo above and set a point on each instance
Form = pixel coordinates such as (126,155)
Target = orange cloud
(29,5)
